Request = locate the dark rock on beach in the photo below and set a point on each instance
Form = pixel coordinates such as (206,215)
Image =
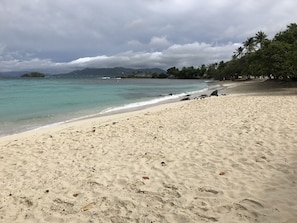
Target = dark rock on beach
(185,99)
(214,93)
(203,96)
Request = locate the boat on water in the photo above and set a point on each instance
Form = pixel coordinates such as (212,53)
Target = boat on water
(105,78)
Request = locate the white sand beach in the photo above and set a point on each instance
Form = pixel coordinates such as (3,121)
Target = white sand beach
(220,159)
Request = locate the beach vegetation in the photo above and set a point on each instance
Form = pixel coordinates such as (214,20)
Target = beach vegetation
(159,75)
(33,74)
(260,39)
(258,57)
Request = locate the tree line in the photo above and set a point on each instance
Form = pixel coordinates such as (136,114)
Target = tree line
(258,56)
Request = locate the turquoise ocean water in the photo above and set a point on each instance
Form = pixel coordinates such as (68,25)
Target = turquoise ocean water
(29,103)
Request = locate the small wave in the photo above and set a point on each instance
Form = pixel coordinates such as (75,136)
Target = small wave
(149,102)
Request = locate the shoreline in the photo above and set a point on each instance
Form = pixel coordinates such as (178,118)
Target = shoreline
(125,108)
(243,88)
(93,99)
(114,114)
(220,159)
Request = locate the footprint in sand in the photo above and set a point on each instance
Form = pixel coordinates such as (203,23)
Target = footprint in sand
(208,190)
(62,207)
(252,203)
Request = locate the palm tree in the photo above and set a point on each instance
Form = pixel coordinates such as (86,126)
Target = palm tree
(249,45)
(260,38)
(238,53)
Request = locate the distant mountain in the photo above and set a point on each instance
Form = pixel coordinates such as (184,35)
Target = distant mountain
(94,72)
(112,72)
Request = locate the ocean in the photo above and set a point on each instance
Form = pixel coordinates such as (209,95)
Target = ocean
(30,103)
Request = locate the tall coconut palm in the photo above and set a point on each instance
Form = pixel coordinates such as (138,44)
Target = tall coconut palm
(260,38)
(239,52)
(249,45)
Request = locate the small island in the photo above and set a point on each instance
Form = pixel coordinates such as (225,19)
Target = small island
(33,74)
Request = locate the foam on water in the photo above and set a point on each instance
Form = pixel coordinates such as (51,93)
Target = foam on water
(148,103)
(31,104)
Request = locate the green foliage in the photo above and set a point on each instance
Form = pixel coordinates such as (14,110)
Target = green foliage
(157,75)
(173,72)
(288,36)
(258,56)
(33,74)
(187,72)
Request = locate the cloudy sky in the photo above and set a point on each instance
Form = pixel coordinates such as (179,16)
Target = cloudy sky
(59,35)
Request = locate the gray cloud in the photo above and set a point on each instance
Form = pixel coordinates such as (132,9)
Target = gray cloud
(63,35)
